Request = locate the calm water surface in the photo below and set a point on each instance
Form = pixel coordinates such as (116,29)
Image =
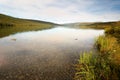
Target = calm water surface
(44,55)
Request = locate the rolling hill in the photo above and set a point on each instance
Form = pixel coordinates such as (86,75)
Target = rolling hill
(8,20)
(10,25)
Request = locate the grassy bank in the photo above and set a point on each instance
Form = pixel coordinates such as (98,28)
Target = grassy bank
(91,67)
(106,65)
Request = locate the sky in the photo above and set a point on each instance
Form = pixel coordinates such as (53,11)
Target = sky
(63,11)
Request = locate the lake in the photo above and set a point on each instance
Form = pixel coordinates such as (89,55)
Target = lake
(48,54)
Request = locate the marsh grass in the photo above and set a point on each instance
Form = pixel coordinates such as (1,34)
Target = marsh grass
(85,67)
(103,66)
(109,48)
(106,44)
(91,67)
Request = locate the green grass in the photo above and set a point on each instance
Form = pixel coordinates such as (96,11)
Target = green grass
(91,67)
(85,67)
(109,47)
(106,44)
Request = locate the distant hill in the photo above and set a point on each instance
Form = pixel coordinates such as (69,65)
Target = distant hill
(10,25)
(94,25)
(102,25)
(6,20)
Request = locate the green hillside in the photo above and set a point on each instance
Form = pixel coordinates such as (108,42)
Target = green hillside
(11,21)
(10,25)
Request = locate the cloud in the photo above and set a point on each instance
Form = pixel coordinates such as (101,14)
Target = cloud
(63,11)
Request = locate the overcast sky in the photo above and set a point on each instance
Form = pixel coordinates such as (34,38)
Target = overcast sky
(63,11)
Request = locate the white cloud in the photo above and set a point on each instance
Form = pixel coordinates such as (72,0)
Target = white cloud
(59,11)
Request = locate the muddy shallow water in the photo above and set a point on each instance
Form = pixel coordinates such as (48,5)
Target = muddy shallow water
(45,54)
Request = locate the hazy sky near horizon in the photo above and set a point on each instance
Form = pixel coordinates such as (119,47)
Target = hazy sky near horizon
(63,11)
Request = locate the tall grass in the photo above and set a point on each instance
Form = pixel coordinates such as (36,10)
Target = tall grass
(110,51)
(103,66)
(106,45)
(85,67)
(91,67)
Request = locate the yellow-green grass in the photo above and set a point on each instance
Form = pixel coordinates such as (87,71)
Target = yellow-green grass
(109,46)
(106,44)
(109,49)
(85,67)
(91,67)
